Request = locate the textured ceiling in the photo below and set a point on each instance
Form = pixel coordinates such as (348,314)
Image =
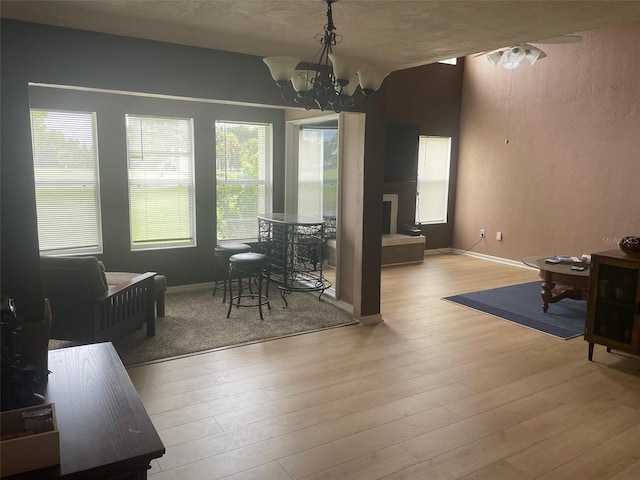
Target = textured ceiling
(393,34)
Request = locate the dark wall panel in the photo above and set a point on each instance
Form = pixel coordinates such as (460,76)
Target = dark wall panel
(430,97)
(401,152)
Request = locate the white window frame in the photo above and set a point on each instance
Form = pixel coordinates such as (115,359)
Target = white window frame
(61,230)
(186,178)
(434,168)
(266,172)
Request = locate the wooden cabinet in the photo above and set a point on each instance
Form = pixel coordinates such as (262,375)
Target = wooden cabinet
(613,312)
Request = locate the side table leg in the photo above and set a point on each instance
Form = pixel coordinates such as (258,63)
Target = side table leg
(547,287)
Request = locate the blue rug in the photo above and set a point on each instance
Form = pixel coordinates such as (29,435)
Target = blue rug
(522,304)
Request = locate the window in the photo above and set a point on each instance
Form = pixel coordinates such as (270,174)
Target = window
(434,155)
(65,164)
(161,182)
(243,178)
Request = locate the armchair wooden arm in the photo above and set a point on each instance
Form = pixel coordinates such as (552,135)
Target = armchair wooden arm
(125,307)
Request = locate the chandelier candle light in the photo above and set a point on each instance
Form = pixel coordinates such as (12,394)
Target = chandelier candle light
(329,82)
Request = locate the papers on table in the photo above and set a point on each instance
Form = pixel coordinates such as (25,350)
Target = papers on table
(563,259)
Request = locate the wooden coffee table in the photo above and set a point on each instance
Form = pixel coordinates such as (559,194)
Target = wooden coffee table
(573,284)
(105,431)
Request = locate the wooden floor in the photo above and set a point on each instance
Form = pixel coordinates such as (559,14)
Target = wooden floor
(437,391)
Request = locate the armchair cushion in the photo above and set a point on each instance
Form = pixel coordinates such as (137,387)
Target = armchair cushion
(103,273)
(82,271)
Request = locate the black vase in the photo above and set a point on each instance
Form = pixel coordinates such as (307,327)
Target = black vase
(19,375)
(630,245)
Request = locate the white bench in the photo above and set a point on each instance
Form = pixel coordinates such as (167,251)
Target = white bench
(398,248)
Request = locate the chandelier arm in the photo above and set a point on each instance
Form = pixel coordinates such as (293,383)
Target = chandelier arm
(353,103)
(289,95)
(323,100)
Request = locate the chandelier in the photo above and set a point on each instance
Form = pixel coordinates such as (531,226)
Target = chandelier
(329,82)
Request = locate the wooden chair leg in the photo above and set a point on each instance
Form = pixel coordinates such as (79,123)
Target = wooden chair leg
(160,306)
(230,282)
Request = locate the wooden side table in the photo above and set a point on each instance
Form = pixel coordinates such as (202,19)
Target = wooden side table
(105,431)
(575,283)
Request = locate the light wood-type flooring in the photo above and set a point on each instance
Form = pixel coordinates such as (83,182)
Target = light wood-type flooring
(437,391)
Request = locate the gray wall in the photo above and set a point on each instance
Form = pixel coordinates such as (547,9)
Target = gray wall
(183,265)
(51,55)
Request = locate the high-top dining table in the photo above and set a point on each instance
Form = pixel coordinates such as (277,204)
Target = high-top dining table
(295,246)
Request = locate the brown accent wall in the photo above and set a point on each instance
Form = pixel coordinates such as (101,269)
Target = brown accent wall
(428,96)
(550,152)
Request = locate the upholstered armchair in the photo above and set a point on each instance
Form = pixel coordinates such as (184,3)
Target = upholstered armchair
(85,309)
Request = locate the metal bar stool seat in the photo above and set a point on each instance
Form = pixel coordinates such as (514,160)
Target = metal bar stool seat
(247,265)
(224,251)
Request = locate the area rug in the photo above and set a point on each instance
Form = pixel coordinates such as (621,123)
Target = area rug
(522,304)
(195,321)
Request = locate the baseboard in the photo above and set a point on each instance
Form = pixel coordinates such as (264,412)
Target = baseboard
(402,263)
(347,307)
(370,319)
(438,251)
(491,258)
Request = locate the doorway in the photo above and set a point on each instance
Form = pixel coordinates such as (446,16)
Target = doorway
(312,176)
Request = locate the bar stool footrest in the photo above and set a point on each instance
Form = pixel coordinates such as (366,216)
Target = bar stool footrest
(264,300)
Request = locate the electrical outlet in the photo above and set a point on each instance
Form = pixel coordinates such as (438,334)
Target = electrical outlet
(482,232)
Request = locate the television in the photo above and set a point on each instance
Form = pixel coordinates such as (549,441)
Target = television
(401,152)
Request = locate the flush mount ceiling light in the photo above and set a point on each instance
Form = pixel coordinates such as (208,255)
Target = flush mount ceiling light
(329,81)
(514,55)
(494,57)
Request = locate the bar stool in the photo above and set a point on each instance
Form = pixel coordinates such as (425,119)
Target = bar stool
(247,265)
(224,251)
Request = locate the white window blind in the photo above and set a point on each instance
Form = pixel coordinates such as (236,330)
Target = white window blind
(65,161)
(318,172)
(434,156)
(161,182)
(310,153)
(243,178)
